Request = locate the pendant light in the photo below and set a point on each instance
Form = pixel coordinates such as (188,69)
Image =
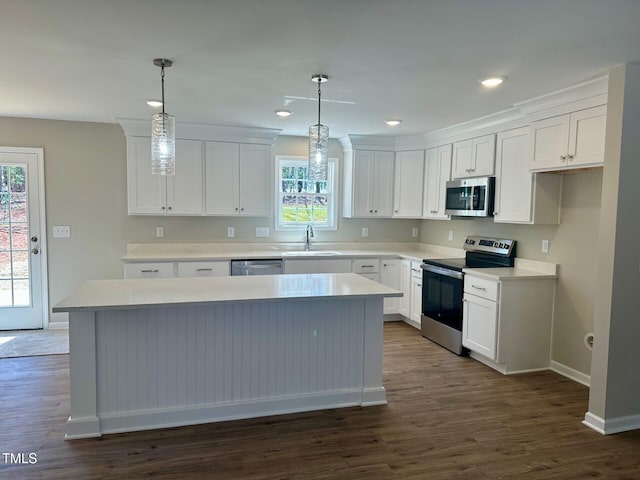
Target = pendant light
(163,134)
(318,141)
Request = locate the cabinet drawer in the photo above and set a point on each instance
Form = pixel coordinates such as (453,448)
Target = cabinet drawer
(203,269)
(481,287)
(416,271)
(148,270)
(366,265)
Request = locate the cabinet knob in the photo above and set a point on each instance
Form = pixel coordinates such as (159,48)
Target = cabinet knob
(563,158)
(163,208)
(376,211)
(396,211)
(35,251)
(242,209)
(495,213)
(236,209)
(370,211)
(570,157)
(170,208)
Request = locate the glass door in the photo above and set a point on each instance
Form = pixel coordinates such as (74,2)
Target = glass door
(21,289)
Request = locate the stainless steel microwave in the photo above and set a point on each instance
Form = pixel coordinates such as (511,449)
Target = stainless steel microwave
(470,197)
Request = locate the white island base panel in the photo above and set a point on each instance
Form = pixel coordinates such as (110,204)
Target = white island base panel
(163,367)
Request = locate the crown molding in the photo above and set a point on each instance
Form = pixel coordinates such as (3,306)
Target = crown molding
(368,142)
(198,131)
(581,91)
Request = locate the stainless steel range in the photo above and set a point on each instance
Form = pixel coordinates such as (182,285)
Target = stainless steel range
(443,287)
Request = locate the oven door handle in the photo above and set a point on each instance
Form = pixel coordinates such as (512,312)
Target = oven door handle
(441,271)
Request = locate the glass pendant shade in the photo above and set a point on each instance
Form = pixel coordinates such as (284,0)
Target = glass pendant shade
(163,144)
(318,152)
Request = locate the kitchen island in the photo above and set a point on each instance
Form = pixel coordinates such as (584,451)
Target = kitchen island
(179,351)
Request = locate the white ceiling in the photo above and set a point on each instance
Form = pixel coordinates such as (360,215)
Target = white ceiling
(236,61)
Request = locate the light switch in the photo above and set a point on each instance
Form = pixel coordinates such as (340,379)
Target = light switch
(451,235)
(414,232)
(262,231)
(365,231)
(159,232)
(61,231)
(231,232)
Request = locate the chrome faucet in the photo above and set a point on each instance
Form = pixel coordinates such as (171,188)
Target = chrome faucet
(307,244)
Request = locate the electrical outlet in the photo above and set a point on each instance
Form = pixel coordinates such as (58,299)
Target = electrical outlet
(159,232)
(365,231)
(61,231)
(545,246)
(231,232)
(262,231)
(451,235)
(414,232)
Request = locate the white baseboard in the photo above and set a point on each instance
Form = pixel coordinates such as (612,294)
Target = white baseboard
(571,373)
(190,415)
(612,425)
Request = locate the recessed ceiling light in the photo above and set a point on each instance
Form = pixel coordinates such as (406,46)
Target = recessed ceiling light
(393,123)
(492,82)
(284,113)
(154,103)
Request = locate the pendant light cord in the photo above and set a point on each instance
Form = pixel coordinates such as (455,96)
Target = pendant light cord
(162,77)
(319,101)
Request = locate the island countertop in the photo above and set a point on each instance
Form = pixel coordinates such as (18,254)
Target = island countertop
(167,292)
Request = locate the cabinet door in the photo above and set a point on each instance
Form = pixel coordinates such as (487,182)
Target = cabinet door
(184,189)
(586,137)
(462,159)
(514,181)
(363,168)
(484,155)
(480,325)
(382,188)
(548,143)
(222,178)
(409,171)
(390,276)
(437,174)
(255,180)
(405,287)
(416,298)
(146,193)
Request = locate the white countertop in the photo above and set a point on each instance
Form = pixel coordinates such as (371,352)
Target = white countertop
(166,292)
(186,252)
(523,270)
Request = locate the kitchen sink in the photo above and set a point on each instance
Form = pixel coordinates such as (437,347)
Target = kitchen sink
(310,253)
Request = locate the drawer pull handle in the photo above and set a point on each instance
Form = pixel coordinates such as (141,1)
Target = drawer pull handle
(155,270)
(204,269)
(367,266)
(478,288)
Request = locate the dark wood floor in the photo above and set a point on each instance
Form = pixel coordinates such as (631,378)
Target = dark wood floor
(447,418)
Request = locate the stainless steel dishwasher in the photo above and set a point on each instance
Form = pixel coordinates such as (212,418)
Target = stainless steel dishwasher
(256,267)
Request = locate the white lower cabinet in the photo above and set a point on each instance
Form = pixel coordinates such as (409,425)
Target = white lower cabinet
(405,287)
(338,265)
(507,323)
(416,294)
(390,276)
(203,269)
(149,270)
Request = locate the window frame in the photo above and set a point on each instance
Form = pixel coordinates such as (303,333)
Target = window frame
(332,211)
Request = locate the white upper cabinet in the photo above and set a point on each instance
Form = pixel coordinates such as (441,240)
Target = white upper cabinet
(409,169)
(437,172)
(369,184)
(574,140)
(522,196)
(238,177)
(179,194)
(474,157)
